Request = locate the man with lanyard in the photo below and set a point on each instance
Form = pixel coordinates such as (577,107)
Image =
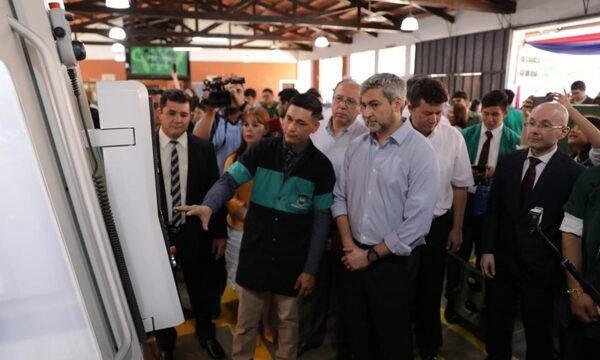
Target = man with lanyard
(426,105)
(224,127)
(384,202)
(285,230)
(333,138)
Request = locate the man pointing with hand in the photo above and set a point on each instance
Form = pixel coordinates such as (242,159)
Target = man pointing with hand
(286,228)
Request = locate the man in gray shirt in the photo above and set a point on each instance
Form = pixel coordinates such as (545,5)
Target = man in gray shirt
(383,206)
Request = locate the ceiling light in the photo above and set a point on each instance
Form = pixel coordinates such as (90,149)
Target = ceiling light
(376,17)
(321,42)
(187,48)
(210,40)
(409,23)
(117,4)
(117,48)
(120,57)
(246,58)
(117,33)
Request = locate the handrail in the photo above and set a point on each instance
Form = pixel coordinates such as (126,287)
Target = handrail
(54,84)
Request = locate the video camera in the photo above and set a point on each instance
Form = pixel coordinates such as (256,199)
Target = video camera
(218,96)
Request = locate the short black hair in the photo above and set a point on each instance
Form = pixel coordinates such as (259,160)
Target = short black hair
(286,95)
(314,92)
(510,94)
(250,92)
(495,98)
(460,94)
(411,82)
(595,120)
(433,91)
(155,91)
(174,95)
(475,104)
(578,85)
(308,102)
(268,90)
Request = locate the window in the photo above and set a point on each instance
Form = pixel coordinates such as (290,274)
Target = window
(304,75)
(330,73)
(362,65)
(392,60)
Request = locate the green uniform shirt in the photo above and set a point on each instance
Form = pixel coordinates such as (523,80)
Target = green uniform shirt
(584,203)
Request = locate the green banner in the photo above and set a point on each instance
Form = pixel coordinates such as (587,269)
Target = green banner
(157,61)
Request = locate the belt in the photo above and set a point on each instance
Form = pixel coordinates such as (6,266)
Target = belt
(437,217)
(362,246)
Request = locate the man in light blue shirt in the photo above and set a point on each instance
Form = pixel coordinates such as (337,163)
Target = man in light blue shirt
(384,204)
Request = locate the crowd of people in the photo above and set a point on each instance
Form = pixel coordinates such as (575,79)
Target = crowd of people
(357,208)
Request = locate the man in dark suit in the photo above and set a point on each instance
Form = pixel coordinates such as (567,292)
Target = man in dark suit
(188,167)
(516,262)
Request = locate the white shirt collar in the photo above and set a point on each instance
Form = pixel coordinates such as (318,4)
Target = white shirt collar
(544,158)
(329,127)
(496,133)
(165,140)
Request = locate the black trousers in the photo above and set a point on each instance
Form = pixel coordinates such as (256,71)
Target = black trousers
(313,324)
(472,233)
(575,344)
(378,308)
(430,280)
(537,305)
(204,279)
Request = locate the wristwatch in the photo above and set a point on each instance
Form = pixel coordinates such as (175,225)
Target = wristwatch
(372,256)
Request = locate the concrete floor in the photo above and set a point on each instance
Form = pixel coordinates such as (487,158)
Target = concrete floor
(459,343)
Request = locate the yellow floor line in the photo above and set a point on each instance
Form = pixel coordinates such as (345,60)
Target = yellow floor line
(470,338)
(227,319)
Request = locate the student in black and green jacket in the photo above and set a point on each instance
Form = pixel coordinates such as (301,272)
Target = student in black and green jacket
(285,230)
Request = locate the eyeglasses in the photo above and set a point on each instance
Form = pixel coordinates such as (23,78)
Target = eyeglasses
(348,101)
(542,126)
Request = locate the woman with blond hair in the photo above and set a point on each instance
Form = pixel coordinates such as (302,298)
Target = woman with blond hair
(255,125)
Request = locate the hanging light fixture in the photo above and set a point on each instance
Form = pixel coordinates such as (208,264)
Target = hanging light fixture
(120,57)
(117,33)
(275,47)
(321,42)
(118,48)
(409,23)
(117,4)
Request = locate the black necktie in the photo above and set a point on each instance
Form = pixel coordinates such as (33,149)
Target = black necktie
(529,178)
(485,150)
(288,163)
(177,218)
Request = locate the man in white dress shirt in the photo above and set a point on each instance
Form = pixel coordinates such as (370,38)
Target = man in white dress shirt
(427,99)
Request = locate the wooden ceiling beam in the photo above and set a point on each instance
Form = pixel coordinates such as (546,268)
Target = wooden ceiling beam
(226,16)
(190,34)
(498,6)
(179,44)
(437,12)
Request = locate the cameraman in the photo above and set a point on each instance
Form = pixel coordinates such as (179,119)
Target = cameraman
(223,127)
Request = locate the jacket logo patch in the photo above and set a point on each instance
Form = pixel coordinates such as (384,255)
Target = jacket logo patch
(300,202)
